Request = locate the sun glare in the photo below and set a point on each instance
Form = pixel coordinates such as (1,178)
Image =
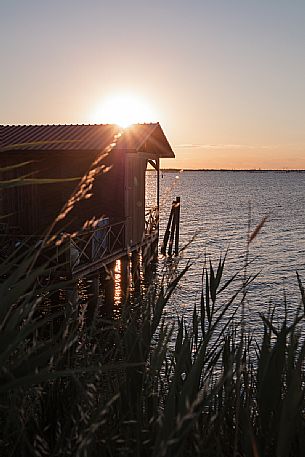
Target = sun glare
(123,110)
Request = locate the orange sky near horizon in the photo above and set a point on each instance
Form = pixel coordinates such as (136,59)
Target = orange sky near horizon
(238,157)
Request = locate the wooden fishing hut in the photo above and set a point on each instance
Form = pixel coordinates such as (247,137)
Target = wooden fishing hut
(55,162)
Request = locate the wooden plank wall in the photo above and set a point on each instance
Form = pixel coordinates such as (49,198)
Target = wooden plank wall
(32,208)
(135,198)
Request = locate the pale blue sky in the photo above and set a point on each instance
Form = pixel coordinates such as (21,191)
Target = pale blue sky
(226,78)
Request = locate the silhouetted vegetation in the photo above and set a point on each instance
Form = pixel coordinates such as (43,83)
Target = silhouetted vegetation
(143,385)
(146,386)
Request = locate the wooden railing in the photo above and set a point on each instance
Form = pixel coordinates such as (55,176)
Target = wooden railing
(78,250)
(152,221)
(94,245)
(84,248)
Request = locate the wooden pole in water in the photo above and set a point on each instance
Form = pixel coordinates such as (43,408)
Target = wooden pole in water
(158,183)
(173,229)
(167,231)
(177,225)
(155,243)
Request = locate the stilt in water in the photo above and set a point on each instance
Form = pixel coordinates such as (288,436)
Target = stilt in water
(171,235)
(177,221)
(93,292)
(147,260)
(168,229)
(146,256)
(154,250)
(125,278)
(109,286)
(135,272)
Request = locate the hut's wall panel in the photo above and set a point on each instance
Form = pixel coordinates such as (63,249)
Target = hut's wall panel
(107,193)
(135,198)
(32,208)
(19,203)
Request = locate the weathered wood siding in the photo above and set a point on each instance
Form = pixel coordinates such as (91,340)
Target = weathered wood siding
(135,198)
(32,208)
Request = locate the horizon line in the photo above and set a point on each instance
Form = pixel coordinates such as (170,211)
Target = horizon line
(233,169)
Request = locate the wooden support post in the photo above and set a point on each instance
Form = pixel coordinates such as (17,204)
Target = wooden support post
(93,292)
(148,262)
(109,289)
(155,253)
(149,256)
(54,307)
(154,250)
(158,183)
(72,295)
(156,165)
(135,271)
(125,277)
(177,225)
(146,256)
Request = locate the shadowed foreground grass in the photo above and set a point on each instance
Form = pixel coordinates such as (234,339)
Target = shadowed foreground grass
(144,386)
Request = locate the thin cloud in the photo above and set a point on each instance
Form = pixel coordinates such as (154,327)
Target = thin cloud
(237,146)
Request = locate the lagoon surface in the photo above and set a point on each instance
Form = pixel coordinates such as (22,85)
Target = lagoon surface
(216,207)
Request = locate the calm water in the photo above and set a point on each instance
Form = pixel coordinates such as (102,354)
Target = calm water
(215,209)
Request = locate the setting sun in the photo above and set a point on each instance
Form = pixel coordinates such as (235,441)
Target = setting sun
(123,110)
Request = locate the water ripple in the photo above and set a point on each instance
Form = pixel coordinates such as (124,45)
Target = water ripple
(215,208)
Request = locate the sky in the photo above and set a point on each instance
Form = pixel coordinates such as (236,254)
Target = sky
(225,78)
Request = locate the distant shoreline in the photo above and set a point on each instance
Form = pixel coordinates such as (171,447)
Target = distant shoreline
(250,170)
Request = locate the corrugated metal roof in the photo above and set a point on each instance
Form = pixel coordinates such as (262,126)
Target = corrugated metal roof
(83,138)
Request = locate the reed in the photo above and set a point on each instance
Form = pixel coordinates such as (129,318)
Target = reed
(147,386)
(143,385)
